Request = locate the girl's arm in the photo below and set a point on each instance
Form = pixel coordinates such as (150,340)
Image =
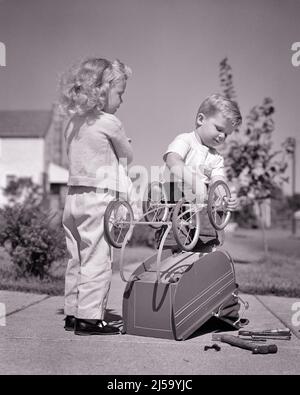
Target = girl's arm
(121,145)
(114,131)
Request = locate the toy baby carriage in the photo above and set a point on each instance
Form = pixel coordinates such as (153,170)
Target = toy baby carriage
(174,291)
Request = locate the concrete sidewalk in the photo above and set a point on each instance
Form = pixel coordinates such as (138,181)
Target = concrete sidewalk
(33,341)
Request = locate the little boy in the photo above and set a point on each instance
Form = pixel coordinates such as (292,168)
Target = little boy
(193,160)
(192,157)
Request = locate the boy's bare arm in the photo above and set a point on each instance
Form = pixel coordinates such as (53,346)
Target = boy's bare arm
(217,178)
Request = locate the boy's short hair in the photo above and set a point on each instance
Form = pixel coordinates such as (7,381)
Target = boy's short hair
(218,103)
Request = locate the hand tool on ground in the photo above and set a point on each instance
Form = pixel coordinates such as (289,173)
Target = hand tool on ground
(282,331)
(265,338)
(247,345)
(214,346)
(278,334)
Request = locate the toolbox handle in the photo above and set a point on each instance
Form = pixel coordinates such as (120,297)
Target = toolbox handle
(159,254)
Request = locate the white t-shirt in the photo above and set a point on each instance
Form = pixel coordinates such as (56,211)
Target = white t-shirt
(204,161)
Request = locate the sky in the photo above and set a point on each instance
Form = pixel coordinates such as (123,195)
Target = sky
(174,48)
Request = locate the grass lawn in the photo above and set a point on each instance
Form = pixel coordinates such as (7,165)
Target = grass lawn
(279,275)
(52,286)
(54,283)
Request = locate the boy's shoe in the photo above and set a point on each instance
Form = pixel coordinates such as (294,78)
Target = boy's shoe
(94,327)
(69,323)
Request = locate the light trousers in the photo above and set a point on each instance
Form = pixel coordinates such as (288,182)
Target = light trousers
(89,271)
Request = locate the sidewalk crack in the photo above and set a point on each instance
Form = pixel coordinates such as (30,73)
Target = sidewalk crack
(29,305)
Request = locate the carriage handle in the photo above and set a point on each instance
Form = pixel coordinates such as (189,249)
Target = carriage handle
(121,262)
(158,260)
(161,245)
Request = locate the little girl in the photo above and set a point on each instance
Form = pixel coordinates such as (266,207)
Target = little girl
(96,145)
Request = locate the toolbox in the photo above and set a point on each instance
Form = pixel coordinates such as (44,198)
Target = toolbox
(174,301)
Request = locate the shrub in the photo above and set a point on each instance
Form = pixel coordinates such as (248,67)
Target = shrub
(30,237)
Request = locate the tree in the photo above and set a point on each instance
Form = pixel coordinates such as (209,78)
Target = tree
(252,164)
(259,169)
(252,161)
(227,87)
(226,80)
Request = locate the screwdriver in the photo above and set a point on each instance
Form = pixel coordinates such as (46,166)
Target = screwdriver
(280,334)
(247,345)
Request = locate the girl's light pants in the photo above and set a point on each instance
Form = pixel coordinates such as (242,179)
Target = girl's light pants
(89,272)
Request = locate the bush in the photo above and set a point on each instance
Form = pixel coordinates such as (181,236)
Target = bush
(31,239)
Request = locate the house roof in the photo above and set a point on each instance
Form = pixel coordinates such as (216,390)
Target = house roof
(24,123)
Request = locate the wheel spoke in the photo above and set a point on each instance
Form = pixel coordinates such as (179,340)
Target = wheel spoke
(121,228)
(155,215)
(118,237)
(186,223)
(187,237)
(154,207)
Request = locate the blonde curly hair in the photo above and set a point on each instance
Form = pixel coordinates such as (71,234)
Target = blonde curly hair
(85,87)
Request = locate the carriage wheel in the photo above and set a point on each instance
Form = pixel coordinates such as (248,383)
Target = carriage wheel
(155,204)
(118,218)
(217,210)
(186,224)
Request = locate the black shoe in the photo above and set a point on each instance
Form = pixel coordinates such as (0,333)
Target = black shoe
(94,327)
(69,323)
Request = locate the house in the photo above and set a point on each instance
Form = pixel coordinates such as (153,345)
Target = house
(32,145)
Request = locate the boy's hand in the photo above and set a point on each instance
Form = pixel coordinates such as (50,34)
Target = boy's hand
(232,203)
